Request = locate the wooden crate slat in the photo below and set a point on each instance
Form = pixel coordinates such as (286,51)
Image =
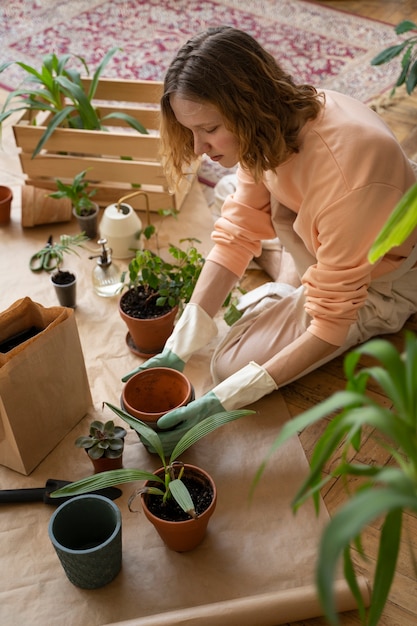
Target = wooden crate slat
(89,142)
(132,172)
(69,151)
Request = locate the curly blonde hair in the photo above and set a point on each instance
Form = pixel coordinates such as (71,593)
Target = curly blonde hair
(259,102)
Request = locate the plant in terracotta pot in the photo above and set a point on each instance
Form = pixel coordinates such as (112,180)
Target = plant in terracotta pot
(51,257)
(178,499)
(156,289)
(104,445)
(152,392)
(84,208)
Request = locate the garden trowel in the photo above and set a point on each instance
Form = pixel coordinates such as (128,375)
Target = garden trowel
(42,494)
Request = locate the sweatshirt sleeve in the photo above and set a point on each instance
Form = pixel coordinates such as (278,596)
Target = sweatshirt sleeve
(244,222)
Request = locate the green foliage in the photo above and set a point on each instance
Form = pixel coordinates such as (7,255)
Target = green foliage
(408,72)
(52,254)
(169,485)
(400,224)
(77,193)
(57,89)
(105,439)
(385,492)
(169,282)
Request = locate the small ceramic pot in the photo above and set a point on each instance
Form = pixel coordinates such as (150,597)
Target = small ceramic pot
(104,464)
(86,532)
(88,223)
(66,290)
(151,393)
(6,197)
(186,535)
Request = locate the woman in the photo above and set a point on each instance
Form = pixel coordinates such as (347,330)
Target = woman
(321,172)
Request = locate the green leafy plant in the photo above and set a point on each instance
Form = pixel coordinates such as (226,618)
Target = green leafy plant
(77,193)
(170,487)
(385,492)
(104,440)
(52,254)
(407,48)
(57,90)
(164,282)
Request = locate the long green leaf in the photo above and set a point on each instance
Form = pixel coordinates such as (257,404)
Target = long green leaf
(142,429)
(389,545)
(182,496)
(129,119)
(398,227)
(55,121)
(85,109)
(103,480)
(348,522)
(99,71)
(203,428)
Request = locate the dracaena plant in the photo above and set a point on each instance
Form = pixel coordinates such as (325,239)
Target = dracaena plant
(169,486)
(57,89)
(384,492)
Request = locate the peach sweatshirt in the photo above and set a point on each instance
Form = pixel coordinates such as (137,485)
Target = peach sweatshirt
(336,194)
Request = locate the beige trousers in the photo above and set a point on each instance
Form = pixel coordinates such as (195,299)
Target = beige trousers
(275,321)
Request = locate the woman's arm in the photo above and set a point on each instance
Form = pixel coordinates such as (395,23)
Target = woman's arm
(295,359)
(213,286)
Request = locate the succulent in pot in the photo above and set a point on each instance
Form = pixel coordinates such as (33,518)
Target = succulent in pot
(104,445)
(167,484)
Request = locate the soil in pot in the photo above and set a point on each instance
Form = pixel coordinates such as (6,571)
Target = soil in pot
(65,287)
(201,494)
(142,305)
(149,325)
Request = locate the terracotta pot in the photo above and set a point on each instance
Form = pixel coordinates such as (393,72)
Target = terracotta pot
(104,464)
(6,197)
(147,337)
(151,393)
(185,535)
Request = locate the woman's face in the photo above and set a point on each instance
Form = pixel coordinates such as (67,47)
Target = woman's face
(207,125)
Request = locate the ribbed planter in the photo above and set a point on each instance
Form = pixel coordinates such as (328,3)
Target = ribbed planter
(183,536)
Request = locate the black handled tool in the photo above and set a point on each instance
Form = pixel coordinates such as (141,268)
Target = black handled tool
(42,494)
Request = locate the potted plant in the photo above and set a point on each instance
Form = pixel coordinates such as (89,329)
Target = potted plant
(156,289)
(408,71)
(104,445)
(51,258)
(167,487)
(382,492)
(57,89)
(62,114)
(83,207)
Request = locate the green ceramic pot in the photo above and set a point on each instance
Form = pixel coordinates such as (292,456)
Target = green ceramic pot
(86,533)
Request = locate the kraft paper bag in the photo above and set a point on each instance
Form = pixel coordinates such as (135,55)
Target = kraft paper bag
(44,389)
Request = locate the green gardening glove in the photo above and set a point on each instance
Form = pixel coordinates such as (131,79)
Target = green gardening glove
(242,388)
(183,419)
(194,329)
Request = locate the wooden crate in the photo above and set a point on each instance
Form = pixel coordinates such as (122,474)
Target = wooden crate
(117,161)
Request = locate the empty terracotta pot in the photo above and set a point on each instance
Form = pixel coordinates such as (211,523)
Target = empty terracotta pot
(151,393)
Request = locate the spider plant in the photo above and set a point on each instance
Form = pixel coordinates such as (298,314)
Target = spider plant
(170,487)
(57,89)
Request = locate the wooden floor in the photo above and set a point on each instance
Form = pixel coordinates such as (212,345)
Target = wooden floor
(401,115)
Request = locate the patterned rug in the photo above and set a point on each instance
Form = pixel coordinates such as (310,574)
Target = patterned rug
(316,44)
